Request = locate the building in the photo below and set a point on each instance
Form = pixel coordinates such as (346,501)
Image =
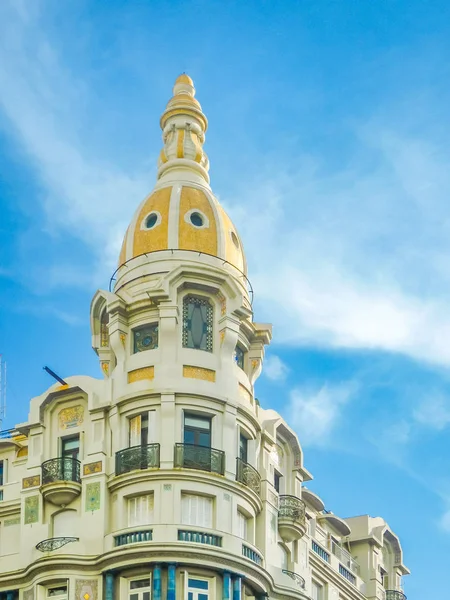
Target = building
(166,479)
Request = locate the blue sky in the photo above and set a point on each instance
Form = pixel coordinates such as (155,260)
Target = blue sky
(329,146)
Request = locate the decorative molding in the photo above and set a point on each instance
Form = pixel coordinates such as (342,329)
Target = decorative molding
(93,467)
(13,521)
(199,373)
(92,496)
(123,338)
(29,482)
(141,374)
(222,336)
(86,589)
(223,303)
(70,417)
(31,510)
(105,367)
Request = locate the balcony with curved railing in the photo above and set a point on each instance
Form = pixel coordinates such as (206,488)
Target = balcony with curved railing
(248,475)
(202,458)
(61,481)
(137,458)
(295,577)
(291,518)
(395,595)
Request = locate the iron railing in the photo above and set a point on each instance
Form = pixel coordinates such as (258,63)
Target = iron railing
(54,543)
(320,551)
(395,595)
(133,537)
(296,577)
(248,475)
(61,469)
(203,458)
(291,507)
(199,537)
(251,554)
(137,457)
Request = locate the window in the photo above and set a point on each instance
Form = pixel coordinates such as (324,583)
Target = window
(1,472)
(196,510)
(139,589)
(277,481)
(140,510)
(139,430)
(197,430)
(59,592)
(104,333)
(238,356)
(243,448)
(242,525)
(145,337)
(316,591)
(197,323)
(65,523)
(70,453)
(198,589)
(284,557)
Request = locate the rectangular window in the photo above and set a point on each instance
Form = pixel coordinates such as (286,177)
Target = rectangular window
(1,472)
(140,510)
(70,447)
(197,323)
(59,592)
(277,481)
(239,356)
(243,448)
(145,337)
(316,591)
(242,525)
(139,589)
(197,510)
(139,435)
(198,589)
(197,430)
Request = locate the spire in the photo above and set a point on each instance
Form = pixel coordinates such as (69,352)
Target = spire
(183,125)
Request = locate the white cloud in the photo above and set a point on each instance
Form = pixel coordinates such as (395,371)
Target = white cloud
(315,412)
(274,368)
(433,411)
(445,521)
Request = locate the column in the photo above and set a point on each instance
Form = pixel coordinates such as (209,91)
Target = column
(171,582)
(157,582)
(109,585)
(237,588)
(226,587)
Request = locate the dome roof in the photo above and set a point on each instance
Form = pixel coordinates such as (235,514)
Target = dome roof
(182,213)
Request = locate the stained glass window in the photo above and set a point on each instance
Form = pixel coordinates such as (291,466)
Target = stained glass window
(238,356)
(197,323)
(104,329)
(145,337)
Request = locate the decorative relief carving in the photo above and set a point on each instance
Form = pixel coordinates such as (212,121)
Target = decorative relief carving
(93,496)
(22,452)
(222,336)
(31,510)
(223,303)
(123,338)
(94,467)
(29,482)
(105,367)
(13,521)
(167,487)
(141,374)
(199,373)
(71,417)
(86,589)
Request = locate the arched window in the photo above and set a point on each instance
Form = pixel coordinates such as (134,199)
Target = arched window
(197,323)
(104,333)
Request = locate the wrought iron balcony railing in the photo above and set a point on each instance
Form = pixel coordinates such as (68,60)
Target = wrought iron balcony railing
(137,457)
(296,577)
(203,458)
(60,469)
(291,507)
(395,595)
(248,475)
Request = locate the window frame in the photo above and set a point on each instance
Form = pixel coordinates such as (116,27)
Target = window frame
(150,496)
(207,518)
(239,359)
(196,430)
(142,590)
(65,596)
(211,591)
(210,323)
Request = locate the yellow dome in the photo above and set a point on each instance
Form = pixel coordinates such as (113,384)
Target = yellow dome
(183,217)
(183,78)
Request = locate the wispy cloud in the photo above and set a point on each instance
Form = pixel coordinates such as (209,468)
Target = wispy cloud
(315,412)
(274,368)
(433,411)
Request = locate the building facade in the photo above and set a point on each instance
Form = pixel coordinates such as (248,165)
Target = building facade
(165,479)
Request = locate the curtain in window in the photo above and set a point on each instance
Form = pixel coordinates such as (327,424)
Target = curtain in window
(196,510)
(140,510)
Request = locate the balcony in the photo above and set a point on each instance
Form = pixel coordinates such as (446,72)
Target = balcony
(395,595)
(248,475)
(61,481)
(295,577)
(133,537)
(199,537)
(251,554)
(137,458)
(344,557)
(320,551)
(202,458)
(291,518)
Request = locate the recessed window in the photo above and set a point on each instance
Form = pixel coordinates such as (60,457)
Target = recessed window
(57,592)
(238,356)
(197,323)
(196,219)
(139,589)
(151,220)
(197,510)
(277,481)
(1,472)
(145,337)
(242,525)
(316,591)
(243,448)
(140,510)
(234,237)
(197,430)
(198,589)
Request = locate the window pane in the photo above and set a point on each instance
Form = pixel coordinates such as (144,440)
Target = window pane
(145,338)
(198,422)
(198,584)
(238,356)
(197,323)
(134,597)
(243,448)
(139,583)
(146,596)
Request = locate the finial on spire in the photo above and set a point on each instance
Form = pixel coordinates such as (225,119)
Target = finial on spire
(184,125)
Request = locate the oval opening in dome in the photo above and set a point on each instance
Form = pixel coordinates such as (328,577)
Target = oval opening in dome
(196,219)
(151,220)
(235,239)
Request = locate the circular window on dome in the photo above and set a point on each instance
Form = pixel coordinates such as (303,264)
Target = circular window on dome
(151,220)
(197,219)
(234,237)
